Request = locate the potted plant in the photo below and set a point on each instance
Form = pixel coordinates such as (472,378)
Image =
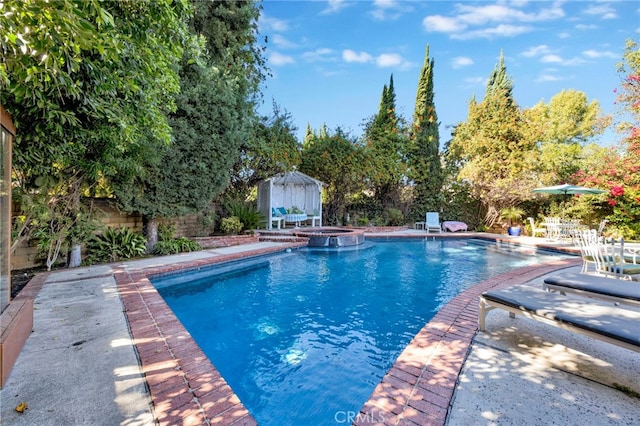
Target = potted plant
(513,214)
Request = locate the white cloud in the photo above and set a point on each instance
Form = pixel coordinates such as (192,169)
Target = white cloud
(604,10)
(502,30)
(442,24)
(536,51)
(323,54)
(278,59)
(268,23)
(555,59)
(547,77)
(550,59)
(384,60)
(385,10)
(585,27)
(574,62)
(282,42)
(351,56)
(461,61)
(504,19)
(595,54)
(334,6)
(389,60)
(331,72)
(478,15)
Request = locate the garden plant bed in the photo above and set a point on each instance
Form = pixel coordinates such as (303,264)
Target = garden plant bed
(21,277)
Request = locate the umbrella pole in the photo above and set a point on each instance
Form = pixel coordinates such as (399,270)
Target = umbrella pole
(564,204)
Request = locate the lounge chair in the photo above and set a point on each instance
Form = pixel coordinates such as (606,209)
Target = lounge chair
(453,226)
(604,288)
(433,222)
(536,230)
(598,320)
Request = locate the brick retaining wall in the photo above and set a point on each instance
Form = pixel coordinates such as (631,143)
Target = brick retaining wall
(26,254)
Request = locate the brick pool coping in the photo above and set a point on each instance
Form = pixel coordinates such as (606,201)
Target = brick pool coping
(185,388)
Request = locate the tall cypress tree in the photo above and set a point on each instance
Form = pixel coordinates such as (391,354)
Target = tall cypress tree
(499,83)
(424,154)
(384,143)
(309,136)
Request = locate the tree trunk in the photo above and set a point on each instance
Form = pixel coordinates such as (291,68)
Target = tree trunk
(75,255)
(151,232)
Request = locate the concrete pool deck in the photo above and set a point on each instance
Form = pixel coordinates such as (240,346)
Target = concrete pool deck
(106,350)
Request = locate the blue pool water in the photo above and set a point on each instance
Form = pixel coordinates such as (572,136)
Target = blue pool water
(304,337)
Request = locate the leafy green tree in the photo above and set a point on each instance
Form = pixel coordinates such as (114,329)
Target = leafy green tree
(86,83)
(563,127)
(618,170)
(385,145)
(425,169)
(272,148)
(335,159)
(570,118)
(213,119)
(494,148)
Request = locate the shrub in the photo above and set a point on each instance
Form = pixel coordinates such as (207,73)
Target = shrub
(394,216)
(175,246)
(378,221)
(169,245)
(363,221)
(231,225)
(166,231)
(246,213)
(114,245)
(206,222)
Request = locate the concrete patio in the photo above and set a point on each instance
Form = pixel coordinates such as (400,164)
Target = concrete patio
(80,365)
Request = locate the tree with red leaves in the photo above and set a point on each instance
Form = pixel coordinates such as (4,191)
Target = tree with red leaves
(619,170)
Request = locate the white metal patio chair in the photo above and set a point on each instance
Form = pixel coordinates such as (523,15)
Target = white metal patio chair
(589,244)
(615,261)
(536,230)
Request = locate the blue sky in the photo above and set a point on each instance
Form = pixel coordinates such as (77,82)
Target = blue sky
(330,59)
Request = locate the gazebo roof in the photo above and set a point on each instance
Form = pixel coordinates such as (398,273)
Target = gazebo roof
(294,178)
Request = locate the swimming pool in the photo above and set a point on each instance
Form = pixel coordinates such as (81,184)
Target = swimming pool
(304,337)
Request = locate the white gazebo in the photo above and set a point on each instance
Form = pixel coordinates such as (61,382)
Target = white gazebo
(288,190)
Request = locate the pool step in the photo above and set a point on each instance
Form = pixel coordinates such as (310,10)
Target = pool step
(288,238)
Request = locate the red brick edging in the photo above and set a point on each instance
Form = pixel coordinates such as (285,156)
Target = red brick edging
(187,389)
(419,387)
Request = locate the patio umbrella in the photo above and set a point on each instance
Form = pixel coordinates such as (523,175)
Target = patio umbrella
(566,189)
